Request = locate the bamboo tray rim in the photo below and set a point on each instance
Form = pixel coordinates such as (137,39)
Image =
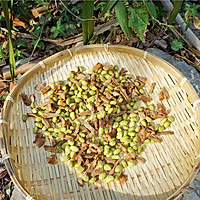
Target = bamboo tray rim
(67,54)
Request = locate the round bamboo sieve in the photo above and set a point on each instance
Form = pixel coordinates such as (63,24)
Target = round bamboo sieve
(169,167)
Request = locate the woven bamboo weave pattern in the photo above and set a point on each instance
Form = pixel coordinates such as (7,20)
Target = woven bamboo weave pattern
(169,167)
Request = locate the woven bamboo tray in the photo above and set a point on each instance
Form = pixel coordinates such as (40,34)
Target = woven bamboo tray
(169,167)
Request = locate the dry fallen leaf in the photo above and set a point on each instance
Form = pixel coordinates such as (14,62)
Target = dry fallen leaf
(187,14)
(52,160)
(196,22)
(19,22)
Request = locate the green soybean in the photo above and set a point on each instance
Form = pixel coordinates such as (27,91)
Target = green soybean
(100,163)
(170,119)
(79,169)
(109,179)
(167,124)
(85,177)
(124,163)
(116,151)
(118,168)
(102,175)
(131,163)
(92,180)
(24,118)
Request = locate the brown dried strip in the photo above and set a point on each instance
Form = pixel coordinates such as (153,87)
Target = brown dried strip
(50,115)
(89,127)
(69,137)
(118,114)
(32,115)
(97,67)
(73,107)
(165,133)
(84,113)
(156,139)
(96,172)
(39,140)
(27,100)
(41,87)
(122,178)
(152,87)
(145,98)
(81,76)
(50,149)
(103,98)
(122,72)
(46,122)
(110,161)
(130,156)
(122,147)
(163,94)
(75,81)
(80,182)
(112,171)
(124,94)
(52,160)
(142,135)
(91,166)
(140,160)
(46,103)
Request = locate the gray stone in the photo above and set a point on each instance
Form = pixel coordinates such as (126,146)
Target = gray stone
(193,192)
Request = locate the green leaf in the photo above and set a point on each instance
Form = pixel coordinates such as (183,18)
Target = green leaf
(2,54)
(3,97)
(21,43)
(40,44)
(139,20)
(37,29)
(177,45)
(88,25)
(177,7)
(60,28)
(122,18)
(108,6)
(152,10)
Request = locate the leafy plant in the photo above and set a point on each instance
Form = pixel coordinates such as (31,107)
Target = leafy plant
(191,15)
(139,20)
(37,29)
(62,29)
(192,9)
(21,43)
(2,54)
(8,23)
(40,44)
(18,54)
(177,45)
(3,97)
(8,188)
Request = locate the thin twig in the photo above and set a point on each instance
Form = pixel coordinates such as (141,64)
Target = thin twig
(76,15)
(40,34)
(161,32)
